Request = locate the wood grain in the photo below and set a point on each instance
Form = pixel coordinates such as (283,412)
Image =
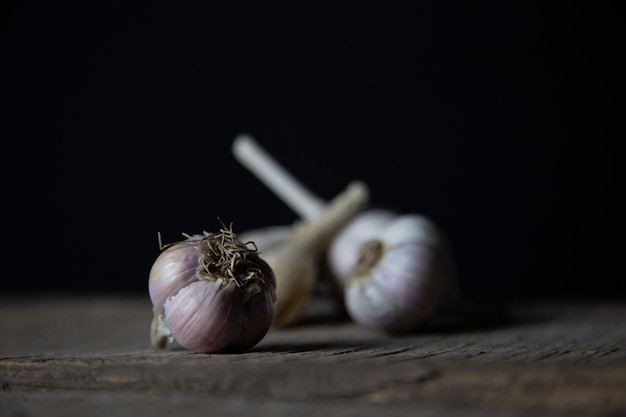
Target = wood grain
(69,355)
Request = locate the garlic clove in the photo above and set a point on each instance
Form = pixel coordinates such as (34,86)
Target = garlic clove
(202,305)
(173,270)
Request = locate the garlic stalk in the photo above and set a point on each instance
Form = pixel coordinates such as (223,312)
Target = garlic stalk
(257,160)
(295,252)
(211,293)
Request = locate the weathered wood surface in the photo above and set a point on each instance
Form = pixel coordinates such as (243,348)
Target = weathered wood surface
(91,356)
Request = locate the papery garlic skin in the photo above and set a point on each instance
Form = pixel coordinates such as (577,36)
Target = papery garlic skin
(399,277)
(211,293)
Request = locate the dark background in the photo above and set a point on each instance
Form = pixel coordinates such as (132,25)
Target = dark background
(497,121)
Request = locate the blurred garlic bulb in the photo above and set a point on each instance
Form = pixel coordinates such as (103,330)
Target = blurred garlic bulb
(211,293)
(400,276)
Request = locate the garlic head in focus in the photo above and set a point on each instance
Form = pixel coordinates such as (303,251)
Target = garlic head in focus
(211,293)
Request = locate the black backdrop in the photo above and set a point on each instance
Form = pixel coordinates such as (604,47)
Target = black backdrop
(497,121)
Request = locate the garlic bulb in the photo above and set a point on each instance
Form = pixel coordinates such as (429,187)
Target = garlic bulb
(400,276)
(211,293)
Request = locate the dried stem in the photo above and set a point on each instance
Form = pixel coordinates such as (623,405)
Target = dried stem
(315,236)
(307,205)
(225,256)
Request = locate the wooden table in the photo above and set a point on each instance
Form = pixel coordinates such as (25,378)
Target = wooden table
(90,356)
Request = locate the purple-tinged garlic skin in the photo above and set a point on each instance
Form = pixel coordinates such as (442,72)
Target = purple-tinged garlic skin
(173,270)
(211,293)
(205,316)
(399,277)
